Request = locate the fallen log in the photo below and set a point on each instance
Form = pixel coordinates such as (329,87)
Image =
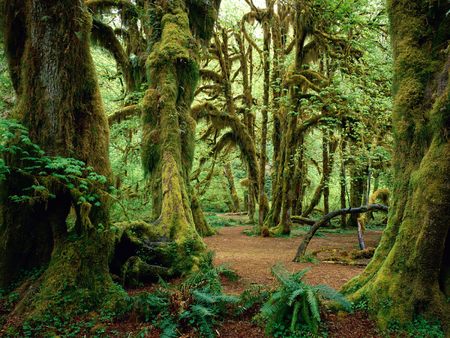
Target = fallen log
(362,209)
(303,220)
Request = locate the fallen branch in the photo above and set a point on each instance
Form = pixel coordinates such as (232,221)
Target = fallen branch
(303,220)
(324,220)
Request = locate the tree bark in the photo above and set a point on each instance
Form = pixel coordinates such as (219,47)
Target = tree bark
(327,167)
(228,172)
(322,188)
(169,128)
(343,183)
(409,273)
(357,187)
(59,102)
(262,199)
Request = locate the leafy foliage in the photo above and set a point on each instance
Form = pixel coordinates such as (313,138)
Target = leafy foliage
(293,308)
(196,303)
(418,328)
(28,159)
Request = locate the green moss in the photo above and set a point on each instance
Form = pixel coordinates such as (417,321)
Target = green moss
(169,132)
(62,108)
(202,16)
(404,280)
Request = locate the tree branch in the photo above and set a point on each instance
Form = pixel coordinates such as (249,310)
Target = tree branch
(104,35)
(303,220)
(362,209)
(95,5)
(123,114)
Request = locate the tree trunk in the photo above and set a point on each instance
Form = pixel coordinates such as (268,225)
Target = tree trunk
(298,179)
(357,187)
(327,165)
(249,119)
(343,184)
(409,273)
(59,102)
(326,170)
(227,171)
(169,129)
(262,199)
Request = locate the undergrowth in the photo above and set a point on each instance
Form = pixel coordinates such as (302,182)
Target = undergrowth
(217,221)
(293,310)
(197,304)
(418,328)
(31,161)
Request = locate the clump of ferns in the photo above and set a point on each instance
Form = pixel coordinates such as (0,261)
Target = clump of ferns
(198,303)
(293,309)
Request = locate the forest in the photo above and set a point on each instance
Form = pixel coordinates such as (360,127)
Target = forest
(225,168)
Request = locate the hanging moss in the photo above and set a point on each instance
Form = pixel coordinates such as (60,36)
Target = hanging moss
(202,16)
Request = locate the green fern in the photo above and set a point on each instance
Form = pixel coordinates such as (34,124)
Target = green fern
(169,328)
(82,181)
(198,303)
(294,307)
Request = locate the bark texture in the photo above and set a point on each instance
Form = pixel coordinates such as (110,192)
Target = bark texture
(169,128)
(409,274)
(59,102)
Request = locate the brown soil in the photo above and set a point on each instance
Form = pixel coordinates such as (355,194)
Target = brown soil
(253,257)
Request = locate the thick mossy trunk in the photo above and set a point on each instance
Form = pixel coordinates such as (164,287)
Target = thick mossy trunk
(26,240)
(408,276)
(59,102)
(169,142)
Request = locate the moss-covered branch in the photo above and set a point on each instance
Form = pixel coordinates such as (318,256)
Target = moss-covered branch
(325,219)
(104,36)
(124,113)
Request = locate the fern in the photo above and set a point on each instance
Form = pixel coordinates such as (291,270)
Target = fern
(197,303)
(295,306)
(252,299)
(330,294)
(169,328)
(31,161)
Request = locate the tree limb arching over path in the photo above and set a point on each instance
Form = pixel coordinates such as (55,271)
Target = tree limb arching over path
(324,220)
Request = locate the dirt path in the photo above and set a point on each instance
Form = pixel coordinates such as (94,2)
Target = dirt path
(253,257)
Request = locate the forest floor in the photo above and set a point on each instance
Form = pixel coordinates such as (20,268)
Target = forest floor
(330,258)
(252,258)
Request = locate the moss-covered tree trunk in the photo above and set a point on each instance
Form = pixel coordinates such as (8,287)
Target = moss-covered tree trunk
(409,273)
(169,142)
(262,198)
(59,102)
(228,172)
(357,187)
(326,170)
(343,183)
